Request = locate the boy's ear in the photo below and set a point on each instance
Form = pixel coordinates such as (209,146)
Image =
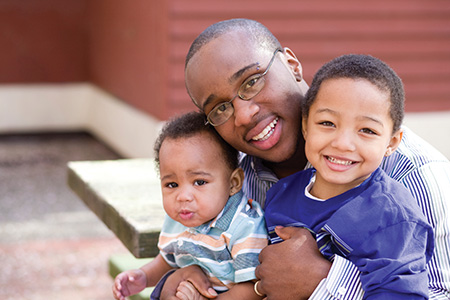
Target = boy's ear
(304,132)
(394,142)
(236,181)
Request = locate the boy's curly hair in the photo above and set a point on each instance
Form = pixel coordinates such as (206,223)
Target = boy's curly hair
(360,66)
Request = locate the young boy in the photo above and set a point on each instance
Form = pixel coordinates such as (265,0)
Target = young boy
(209,221)
(351,119)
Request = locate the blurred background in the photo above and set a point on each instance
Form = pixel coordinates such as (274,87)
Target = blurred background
(94,80)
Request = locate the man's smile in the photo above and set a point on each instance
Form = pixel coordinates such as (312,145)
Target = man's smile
(266,132)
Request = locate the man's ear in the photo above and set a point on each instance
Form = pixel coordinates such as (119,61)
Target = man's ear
(394,142)
(236,181)
(294,64)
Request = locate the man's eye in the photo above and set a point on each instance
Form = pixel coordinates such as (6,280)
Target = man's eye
(221,108)
(199,182)
(251,82)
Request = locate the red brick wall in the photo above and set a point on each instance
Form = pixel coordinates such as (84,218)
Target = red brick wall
(43,41)
(413,36)
(136,49)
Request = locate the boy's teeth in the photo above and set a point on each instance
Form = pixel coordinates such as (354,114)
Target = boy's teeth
(267,132)
(339,162)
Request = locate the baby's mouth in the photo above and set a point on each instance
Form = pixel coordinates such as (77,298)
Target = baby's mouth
(186,215)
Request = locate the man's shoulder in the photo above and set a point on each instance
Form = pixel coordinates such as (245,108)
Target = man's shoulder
(412,154)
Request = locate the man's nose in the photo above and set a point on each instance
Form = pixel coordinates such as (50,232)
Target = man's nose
(244,111)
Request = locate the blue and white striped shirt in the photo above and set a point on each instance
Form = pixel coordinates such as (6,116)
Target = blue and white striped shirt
(227,247)
(426,174)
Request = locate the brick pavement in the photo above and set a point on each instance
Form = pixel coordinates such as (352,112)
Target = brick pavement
(51,245)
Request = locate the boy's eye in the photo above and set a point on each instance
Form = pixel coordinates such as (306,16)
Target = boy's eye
(368,131)
(199,182)
(327,123)
(172,185)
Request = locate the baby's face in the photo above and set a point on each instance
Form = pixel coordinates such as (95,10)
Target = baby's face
(195,180)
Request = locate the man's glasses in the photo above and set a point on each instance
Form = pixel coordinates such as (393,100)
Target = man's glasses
(251,87)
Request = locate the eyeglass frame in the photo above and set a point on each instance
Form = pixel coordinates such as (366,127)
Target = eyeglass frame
(257,76)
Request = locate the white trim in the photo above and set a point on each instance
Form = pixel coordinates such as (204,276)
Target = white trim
(434,127)
(129,131)
(78,106)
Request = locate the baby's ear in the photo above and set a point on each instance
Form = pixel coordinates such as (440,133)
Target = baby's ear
(236,181)
(394,142)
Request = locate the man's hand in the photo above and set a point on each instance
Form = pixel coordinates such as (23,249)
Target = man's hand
(187,291)
(293,268)
(192,274)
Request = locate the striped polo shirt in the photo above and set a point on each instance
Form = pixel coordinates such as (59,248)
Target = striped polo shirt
(227,247)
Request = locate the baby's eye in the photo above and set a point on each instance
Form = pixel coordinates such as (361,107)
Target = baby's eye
(172,185)
(199,182)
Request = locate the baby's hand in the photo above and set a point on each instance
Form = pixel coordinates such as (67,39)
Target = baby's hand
(129,283)
(187,291)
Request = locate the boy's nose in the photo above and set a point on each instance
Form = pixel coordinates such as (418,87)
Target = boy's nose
(344,141)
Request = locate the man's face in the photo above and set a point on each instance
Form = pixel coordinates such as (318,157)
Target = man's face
(266,126)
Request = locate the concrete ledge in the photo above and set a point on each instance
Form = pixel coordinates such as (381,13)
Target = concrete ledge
(126,196)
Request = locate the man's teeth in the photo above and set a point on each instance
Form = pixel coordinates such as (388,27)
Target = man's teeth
(339,162)
(267,132)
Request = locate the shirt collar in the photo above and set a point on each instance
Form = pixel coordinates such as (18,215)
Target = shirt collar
(224,218)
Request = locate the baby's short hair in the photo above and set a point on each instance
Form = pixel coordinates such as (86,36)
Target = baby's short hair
(359,66)
(191,124)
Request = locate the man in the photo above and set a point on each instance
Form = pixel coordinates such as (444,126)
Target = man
(250,89)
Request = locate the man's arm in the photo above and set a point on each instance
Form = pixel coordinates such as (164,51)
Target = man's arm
(293,268)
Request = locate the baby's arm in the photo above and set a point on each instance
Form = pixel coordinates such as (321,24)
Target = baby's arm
(132,282)
(243,290)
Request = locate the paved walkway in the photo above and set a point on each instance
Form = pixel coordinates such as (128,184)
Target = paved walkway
(51,245)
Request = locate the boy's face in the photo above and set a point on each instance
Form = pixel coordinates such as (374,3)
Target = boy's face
(268,125)
(195,181)
(348,132)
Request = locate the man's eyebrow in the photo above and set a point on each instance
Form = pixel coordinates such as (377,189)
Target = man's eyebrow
(231,80)
(239,73)
(208,100)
